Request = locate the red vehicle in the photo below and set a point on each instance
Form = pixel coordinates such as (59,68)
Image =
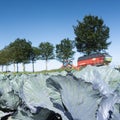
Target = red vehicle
(97,59)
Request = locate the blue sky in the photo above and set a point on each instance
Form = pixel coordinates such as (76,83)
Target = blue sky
(53,20)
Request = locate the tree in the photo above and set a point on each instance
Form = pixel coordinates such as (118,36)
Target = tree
(34,55)
(2,59)
(20,51)
(46,51)
(5,58)
(64,50)
(91,35)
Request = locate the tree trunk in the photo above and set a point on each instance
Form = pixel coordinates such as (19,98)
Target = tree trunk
(46,64)
(14,66)
(33,66)
(63,62)
(2,67)
(6,68)
(17,67)
(23,67)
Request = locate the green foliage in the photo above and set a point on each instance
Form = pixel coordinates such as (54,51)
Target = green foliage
(64,50)
(20,50)
(46,51)
(91,35)
(5,57)
(35,54)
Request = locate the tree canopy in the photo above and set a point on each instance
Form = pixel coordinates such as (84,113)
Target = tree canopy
(64,50)
(91,35)
(20,51)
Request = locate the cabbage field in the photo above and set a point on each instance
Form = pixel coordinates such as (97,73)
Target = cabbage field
(90,94)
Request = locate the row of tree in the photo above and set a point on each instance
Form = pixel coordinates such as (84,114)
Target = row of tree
(91,36)
(22,51)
